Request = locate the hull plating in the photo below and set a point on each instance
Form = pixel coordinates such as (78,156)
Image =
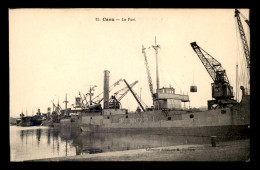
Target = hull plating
(234,121)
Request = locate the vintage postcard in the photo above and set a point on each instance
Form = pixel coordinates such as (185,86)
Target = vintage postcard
(91,84)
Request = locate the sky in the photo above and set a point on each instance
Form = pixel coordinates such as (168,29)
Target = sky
(53,52)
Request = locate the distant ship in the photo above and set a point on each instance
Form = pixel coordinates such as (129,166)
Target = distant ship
(35,120)
(59,117)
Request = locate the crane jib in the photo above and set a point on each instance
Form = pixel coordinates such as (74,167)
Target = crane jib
(243,38)
(148,73)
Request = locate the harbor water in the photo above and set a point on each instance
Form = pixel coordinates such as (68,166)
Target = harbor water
(39,142)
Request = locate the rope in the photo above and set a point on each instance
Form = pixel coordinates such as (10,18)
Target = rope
(126,99)
(236,39)
(160,61)
(240,60)
(243,16)
(161,71)
(193,71)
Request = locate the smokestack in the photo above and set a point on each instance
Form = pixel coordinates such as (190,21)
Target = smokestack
(106,89)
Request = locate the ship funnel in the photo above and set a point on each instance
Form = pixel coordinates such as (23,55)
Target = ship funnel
(106,89)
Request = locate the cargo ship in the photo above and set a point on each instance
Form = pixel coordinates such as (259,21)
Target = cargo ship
(224,116)
(68,117)
(167,118)
(35,120)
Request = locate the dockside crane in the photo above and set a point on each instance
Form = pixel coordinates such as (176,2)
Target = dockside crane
(222,91)
(244,43)
(243,36)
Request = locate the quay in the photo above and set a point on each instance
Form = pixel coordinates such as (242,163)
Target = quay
(236,150)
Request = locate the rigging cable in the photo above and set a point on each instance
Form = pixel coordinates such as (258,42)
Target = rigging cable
(237,78)
(161,70)
(193,70)
(241,75)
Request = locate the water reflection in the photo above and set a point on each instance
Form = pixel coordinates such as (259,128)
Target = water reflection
(49,136)
(51,142)
(21,135)
(88,143)
(38,135)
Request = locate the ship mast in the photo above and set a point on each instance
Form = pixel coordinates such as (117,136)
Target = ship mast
(157,71)
(66,104)
(90,93)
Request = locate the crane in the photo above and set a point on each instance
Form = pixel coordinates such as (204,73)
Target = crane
(57,108)
(237,12)
(84,105)
(243,37)
(148,74)
(110,89)
(127,90)
(123,89)
(222,91)
(114,102)
(90,94)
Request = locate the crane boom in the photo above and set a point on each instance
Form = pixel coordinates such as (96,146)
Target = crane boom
(134,95)
(57,108)
(110,88)
(246,20)
(131,85)
(213,67)
(243,37)
(139,98)
(125,88)
(221,89)
(82,100)
(148,73)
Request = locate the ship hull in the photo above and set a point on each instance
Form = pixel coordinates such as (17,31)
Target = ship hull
(74,123)
(63,123)
(232,121)
(227,130)
(29,121)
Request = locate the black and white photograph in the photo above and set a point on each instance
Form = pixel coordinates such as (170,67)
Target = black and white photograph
(129,84)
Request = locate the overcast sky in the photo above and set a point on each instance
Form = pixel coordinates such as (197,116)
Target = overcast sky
(58,51)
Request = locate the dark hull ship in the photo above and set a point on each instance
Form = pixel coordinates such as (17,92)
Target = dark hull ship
(35,120)
(29,121)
